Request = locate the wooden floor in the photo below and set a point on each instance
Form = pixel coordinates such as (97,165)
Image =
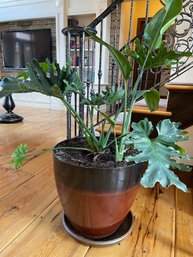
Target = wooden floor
(30,212)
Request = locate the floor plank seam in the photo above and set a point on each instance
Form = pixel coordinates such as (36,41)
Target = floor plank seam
(88,251)
(29,224)
(40,171)
(175,223)
(16,187)
(27,173)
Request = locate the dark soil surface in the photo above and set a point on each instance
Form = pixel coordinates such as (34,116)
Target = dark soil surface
(104,159)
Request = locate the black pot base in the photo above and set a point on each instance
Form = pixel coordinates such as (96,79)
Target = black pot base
(10,117)
(124,230)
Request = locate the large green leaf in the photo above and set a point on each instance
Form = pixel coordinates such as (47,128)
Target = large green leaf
(164,57)
(161,57)
(39,78)
(161,22)
(152,98)
(121,61)
(45,78)
(159,152)
(11,85)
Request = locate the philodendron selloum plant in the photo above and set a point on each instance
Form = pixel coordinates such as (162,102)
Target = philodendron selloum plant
(162,152)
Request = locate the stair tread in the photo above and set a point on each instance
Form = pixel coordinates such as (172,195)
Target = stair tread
(118,129)
(136,109)
(185,87)
(162,103)
(143,109)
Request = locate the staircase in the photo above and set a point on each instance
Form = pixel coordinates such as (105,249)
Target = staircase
(178,107)
(178,103)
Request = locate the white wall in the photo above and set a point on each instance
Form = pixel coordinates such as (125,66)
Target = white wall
(15,10)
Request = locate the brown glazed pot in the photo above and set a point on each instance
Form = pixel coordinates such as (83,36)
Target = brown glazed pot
(96,201)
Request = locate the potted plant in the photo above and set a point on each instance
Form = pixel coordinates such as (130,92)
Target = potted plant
(97,176)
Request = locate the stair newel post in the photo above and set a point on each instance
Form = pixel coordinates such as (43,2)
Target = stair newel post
(68,58)
(88,79)
(75,94)
(9,116)
(82,74)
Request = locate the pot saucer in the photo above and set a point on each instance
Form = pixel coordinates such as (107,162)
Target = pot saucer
(123,231)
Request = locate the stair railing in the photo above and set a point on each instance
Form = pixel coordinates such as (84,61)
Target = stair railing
(81,49)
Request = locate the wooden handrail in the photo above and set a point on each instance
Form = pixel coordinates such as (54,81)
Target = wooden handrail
(104,14)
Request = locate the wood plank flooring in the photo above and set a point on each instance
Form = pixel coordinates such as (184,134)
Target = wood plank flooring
(30,212)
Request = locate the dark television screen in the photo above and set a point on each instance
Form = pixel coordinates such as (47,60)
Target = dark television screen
(20,47)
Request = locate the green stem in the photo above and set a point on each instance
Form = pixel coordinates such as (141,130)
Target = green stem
(91,111)
(127,120)
(88,134)
(118,138)
(120,151)
(111,127)
(58,148)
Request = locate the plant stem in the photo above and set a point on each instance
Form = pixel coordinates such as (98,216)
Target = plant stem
(91,139)
(58,148)
(111,127)
(127,118)
(120,151)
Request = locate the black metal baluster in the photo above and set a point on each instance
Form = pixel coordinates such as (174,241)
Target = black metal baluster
(93,66)
(130,23)
(82,73)
(100,65)
(114,76)
(75,95)
(88,79)
(146,22)
(129,44)
(68,57)
(146,86)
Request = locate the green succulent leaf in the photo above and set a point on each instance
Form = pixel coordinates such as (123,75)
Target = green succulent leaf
(121,61)
(23,75)
(95,100)
(161,22)
(111,95)
(160,152)
(108,96)
(152,98)
(18,156)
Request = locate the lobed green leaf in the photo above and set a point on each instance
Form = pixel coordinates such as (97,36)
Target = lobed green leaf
(159,152)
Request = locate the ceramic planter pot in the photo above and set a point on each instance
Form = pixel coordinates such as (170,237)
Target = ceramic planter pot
(96,201)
